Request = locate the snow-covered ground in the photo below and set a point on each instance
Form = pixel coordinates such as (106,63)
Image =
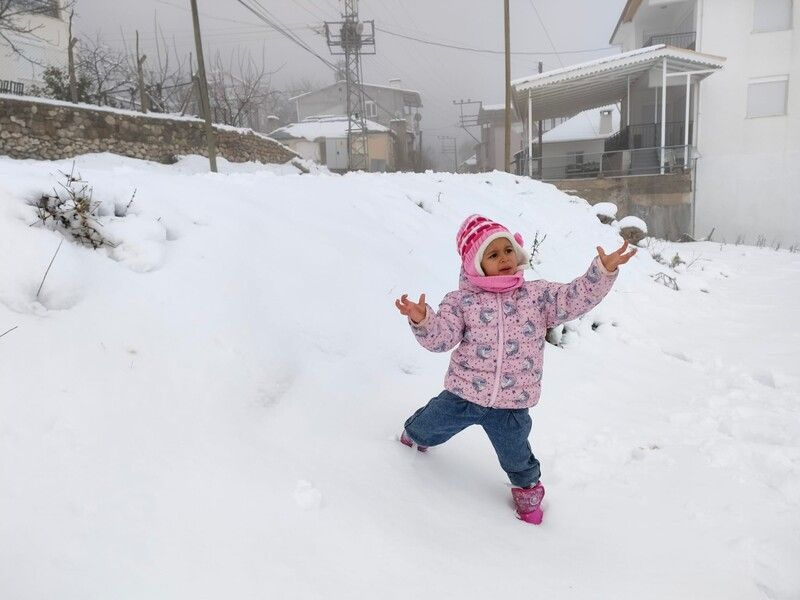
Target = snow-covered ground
(209,409)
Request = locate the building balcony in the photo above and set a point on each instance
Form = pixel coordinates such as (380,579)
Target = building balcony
(676,40)
(11,87)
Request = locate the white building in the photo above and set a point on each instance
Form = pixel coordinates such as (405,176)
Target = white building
(747,179)
(47,46)
(323,139)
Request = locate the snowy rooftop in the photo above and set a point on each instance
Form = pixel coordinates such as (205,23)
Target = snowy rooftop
(583,126)
(328,126)
(417,100)
(578,87)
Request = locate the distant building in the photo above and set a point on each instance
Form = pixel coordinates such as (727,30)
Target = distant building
(47,46)
(747,176)
(490,152)
(571,148)
(710,121)
(324,140)
(470,165)
(389,105)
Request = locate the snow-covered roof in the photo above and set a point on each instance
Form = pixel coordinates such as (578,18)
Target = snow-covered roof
(575,88)
(488,107)
(417,99)
(471,161)
(583,126)
(325,126)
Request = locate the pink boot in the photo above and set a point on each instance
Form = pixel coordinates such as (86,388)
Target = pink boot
(528,503)
(404,439)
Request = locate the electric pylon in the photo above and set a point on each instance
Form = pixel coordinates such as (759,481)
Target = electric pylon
(352,38)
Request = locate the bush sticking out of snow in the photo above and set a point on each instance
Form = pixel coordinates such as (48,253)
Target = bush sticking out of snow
(72,211)
(667,281)
(535,246)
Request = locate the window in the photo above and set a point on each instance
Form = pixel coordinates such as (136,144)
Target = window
(772,15)
(371,109)
(766,97)
(576,158)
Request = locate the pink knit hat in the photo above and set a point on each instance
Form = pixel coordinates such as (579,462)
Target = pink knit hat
(475,235)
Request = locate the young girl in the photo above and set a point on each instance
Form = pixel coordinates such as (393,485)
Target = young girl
(498,321)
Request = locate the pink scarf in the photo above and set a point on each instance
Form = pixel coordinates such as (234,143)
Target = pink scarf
(497,284)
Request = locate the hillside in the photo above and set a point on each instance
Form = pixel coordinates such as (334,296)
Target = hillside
(209,408)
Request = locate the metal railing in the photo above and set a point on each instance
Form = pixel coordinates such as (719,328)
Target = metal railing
(616,163)
(678,40)
(12,87)
(648,135)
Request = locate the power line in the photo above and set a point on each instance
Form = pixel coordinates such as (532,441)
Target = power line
(486,51)
(560,62)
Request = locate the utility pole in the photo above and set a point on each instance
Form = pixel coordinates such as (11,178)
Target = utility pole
(73,82)
(541,149)
(450,148)
(204,103)
(507,153)
(352,38)
(143,103)
(468,120)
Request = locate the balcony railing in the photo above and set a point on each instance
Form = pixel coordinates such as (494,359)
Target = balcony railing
(617,163)
(678,40)
(11,87)
(648,135)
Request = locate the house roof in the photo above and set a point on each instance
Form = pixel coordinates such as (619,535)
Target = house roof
(575,88)
(416,99)
(583,126)
(631,6)
(326,126)
(489,113)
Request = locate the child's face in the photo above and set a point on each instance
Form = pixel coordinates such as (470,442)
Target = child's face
(499,258)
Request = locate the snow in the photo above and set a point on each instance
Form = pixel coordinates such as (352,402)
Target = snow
(631,221)
(583,126)
(328,126)
(606,209)
(210,409)
(593,65)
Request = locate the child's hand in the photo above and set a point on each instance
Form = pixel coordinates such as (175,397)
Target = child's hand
(613,260)
(414,311)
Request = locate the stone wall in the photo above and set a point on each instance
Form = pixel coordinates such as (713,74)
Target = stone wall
(49,130)
(664,202)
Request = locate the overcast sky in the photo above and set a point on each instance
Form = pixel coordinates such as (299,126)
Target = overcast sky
(441,75)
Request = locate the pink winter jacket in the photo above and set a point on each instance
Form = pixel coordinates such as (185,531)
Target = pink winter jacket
(500,336)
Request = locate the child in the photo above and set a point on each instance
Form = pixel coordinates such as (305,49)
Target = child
(498,321)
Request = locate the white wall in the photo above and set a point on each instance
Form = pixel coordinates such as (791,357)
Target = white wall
(748,179)
(51,49)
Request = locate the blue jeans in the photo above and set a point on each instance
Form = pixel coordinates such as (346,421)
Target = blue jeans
(507,428)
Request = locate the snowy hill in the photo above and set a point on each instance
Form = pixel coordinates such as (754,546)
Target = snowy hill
(209,409)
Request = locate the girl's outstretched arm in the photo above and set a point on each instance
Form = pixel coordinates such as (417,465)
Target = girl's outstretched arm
(562,302)
(436,331)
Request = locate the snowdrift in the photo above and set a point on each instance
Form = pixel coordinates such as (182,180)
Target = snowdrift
(208,408)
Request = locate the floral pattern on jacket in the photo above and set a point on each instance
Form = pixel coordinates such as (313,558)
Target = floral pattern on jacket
(501,336)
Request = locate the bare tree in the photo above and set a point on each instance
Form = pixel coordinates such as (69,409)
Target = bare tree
(16,26)
(241,93)
(105,69)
